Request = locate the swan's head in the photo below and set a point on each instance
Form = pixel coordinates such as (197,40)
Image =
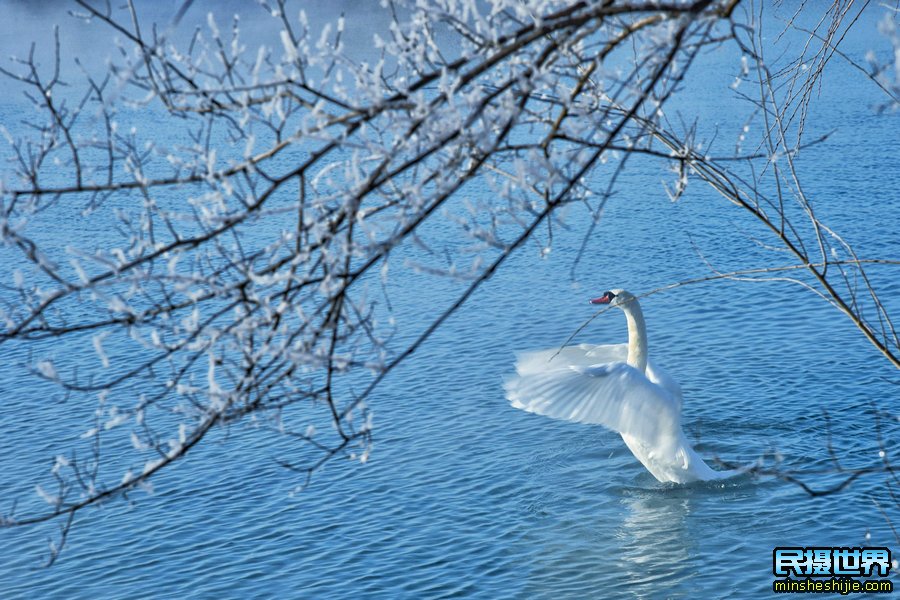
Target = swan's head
(617,297)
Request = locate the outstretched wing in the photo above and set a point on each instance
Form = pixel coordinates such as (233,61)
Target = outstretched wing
(614,395)
(585,355)
(660,377)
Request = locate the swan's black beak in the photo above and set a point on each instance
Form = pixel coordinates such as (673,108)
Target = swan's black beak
(606,298)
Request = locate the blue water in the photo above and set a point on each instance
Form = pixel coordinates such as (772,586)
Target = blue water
(466,497)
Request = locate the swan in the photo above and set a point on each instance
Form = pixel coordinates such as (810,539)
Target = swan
(616,386)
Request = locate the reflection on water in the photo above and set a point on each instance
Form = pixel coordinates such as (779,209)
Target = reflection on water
(656,542)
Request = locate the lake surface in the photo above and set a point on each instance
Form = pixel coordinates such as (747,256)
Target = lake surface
(465,496)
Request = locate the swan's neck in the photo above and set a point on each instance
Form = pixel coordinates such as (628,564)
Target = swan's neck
(637,336)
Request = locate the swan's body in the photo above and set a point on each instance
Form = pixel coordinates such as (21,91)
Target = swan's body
(616,386)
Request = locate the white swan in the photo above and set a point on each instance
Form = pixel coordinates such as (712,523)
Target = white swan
(616,386)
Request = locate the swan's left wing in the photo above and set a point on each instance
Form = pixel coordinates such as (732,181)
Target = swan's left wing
(614,395)
(584,355)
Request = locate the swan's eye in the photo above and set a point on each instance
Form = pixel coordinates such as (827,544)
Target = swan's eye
(609,295)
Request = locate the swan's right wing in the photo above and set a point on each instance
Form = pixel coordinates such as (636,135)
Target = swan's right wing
(659,376)
(614,395)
